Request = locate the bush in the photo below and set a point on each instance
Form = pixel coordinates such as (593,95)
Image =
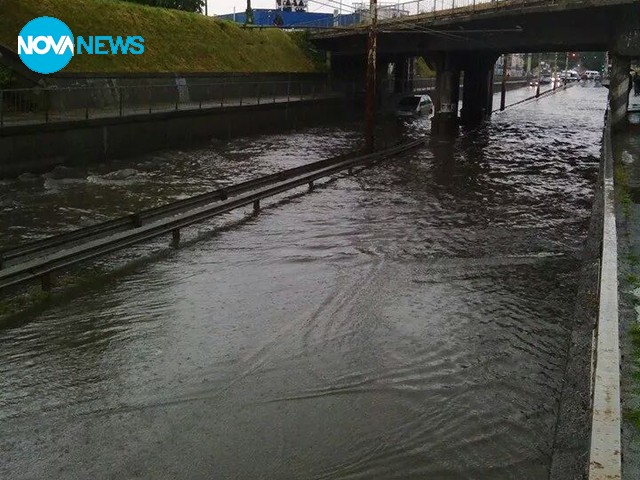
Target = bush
(186,5)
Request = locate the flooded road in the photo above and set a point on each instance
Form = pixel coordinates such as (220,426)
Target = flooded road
(410,321)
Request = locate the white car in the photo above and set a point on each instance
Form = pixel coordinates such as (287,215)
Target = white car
(593,74)
(414,105)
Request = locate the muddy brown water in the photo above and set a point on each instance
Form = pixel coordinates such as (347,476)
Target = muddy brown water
(409,321)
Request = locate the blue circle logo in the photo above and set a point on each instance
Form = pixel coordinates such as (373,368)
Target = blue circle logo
(46,45)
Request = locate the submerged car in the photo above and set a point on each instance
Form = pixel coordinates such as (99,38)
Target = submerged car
(414,105)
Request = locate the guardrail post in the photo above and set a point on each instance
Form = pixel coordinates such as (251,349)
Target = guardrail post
(175,238)
(256,206)
(311,185)
(275,90)
(288,91)
(46,282)
(136,221)
(1,108)
(240,86)
(121,101)
(46,106)
(1,261)
(350,170)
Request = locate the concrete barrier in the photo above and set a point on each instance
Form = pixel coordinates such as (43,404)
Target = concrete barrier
(37,148)
(605,462)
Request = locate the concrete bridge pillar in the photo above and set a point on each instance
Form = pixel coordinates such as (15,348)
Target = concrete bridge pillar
(477,96)
(348,72)
(619,91)
(404,73)
(382,79)
(444,123)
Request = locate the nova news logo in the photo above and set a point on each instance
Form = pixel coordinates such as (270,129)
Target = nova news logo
(46,45)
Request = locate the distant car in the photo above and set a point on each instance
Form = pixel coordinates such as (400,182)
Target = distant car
(414,105)
(592,75)
(571,76)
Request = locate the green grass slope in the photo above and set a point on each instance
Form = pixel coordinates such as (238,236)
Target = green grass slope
(174,41)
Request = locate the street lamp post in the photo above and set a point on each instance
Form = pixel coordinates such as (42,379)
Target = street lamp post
(539,69)
(248,19)
(554,80)
(503,90)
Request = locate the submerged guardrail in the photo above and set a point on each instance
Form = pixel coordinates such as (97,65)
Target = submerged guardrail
(605,459)
(38,260)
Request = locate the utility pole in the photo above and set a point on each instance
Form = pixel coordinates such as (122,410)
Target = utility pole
(206,8)
(248,19)
(370,107)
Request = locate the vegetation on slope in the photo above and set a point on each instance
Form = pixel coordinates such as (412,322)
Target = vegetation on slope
(175,41)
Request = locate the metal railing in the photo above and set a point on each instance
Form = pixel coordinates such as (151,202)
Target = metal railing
(45,105)
(403,13)
(38,260)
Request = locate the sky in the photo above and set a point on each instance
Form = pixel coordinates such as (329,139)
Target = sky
(219,7)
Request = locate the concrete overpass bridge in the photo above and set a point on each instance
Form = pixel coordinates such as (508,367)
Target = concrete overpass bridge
(456,36)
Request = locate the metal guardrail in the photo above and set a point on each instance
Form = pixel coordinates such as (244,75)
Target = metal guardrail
(605,459)
(40,259)
(53,104)
(21,253)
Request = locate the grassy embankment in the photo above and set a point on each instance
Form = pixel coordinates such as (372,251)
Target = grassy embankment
(174,41)
(629,265)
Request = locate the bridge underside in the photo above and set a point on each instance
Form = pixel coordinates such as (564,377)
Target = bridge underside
(471,43)
(586,29)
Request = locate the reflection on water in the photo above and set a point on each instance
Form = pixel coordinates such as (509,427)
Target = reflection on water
(410,321)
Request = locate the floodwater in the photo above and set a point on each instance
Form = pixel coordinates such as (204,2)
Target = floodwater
(410,321)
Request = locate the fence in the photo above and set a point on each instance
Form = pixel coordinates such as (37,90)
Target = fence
(44,105)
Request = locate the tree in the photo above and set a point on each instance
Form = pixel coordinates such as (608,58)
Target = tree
(186,5)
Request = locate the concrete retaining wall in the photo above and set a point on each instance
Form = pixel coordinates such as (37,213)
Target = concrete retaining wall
(37,148)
